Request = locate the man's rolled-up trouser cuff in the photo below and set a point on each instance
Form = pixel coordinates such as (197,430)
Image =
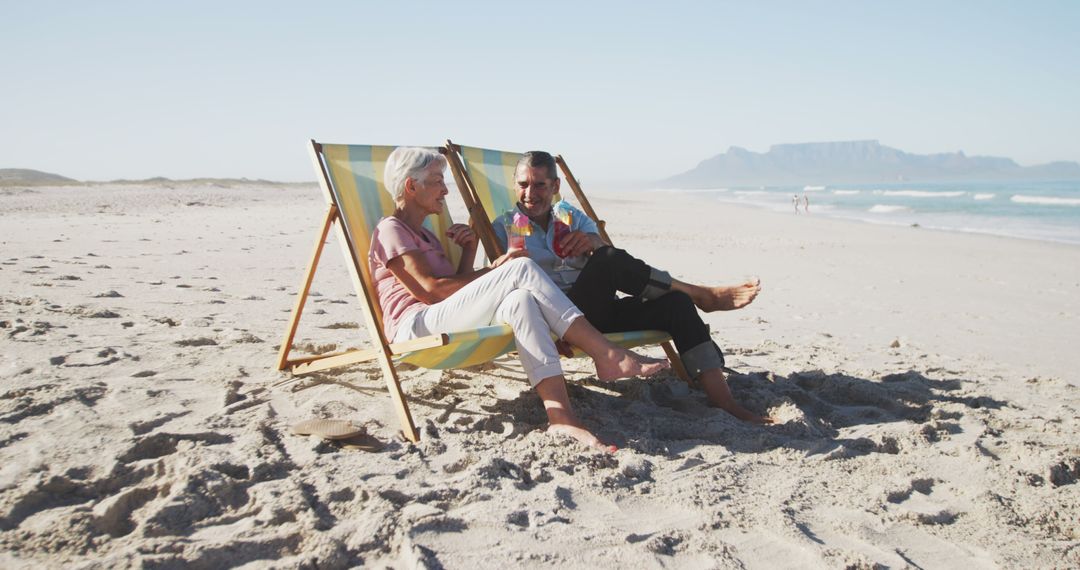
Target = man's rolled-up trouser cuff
(705,356)
(659,284)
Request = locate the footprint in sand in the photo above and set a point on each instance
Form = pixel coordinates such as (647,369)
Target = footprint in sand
(146,426)
(344,325)
(85,358)
(199,341)
(922,503)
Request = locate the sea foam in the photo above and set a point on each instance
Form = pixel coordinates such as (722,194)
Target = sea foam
(887,209)
(1045,200)
(923,194)
(984,196)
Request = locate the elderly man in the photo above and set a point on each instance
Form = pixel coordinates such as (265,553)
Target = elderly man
(656,301)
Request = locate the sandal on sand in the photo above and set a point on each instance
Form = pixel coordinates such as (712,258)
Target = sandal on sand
(328,429)
(362,442)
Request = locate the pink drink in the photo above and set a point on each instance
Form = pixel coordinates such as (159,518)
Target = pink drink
(517,231)
(561,230)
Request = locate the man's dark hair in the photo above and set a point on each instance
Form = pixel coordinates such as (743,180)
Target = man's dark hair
(538,159)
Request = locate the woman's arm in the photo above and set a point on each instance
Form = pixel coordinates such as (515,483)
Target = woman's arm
(413,271)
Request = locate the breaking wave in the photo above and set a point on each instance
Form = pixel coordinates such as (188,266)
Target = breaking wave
(888,209)
(923,194)
(1045,200)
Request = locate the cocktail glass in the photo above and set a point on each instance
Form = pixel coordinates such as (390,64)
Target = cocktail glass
(563,219)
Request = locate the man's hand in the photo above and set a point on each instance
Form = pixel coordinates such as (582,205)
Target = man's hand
(462,235)
(578,243)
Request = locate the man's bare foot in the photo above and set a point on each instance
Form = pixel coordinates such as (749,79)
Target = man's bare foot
(582,435)
(719,395)
(622,363)
(745,414)
(725,298)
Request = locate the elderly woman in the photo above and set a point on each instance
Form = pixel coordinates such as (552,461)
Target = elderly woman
(421,293)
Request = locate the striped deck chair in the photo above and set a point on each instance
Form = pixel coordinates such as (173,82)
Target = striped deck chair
(485,179)
(351,177)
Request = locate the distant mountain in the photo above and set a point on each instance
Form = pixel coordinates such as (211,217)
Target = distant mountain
(856,162)
(161,180)
(27,177)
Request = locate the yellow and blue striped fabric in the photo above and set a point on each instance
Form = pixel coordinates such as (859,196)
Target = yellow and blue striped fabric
(356,176)
(465,348)
(356,180)
(492,174)
(469,348)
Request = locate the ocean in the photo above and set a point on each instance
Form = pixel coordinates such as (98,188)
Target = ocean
(1047,211)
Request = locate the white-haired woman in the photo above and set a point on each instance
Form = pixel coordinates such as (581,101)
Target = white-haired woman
(421,293)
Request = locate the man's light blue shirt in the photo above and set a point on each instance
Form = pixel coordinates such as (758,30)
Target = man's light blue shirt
(540,244)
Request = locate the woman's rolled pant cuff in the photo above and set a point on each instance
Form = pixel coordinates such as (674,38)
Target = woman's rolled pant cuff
(536,375)
(658,285)
(705,356)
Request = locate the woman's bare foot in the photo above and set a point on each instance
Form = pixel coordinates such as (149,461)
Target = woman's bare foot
(582,435)
(561,417)
(724,298)
(622,363)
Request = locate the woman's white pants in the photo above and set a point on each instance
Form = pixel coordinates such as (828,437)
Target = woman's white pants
(517,293)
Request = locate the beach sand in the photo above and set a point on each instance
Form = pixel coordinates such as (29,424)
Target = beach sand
(924,383)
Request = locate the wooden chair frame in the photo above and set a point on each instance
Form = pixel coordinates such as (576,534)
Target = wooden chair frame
(385,351)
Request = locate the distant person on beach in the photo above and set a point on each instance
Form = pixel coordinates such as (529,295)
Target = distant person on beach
(806,203)
(795,202)
(422,293)
(656,301)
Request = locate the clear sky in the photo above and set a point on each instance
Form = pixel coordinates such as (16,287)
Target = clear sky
(626,91)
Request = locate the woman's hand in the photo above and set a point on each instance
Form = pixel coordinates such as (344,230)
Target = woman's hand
(512,254)
(462,235)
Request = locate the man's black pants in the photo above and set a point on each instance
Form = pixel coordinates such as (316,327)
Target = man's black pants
(609,270)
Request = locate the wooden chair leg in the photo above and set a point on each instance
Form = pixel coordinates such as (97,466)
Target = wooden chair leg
(393,385)
(305,288)
(676,362)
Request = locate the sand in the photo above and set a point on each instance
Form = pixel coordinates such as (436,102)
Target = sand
(924,384)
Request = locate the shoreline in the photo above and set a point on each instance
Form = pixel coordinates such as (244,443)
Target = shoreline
(930,220)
